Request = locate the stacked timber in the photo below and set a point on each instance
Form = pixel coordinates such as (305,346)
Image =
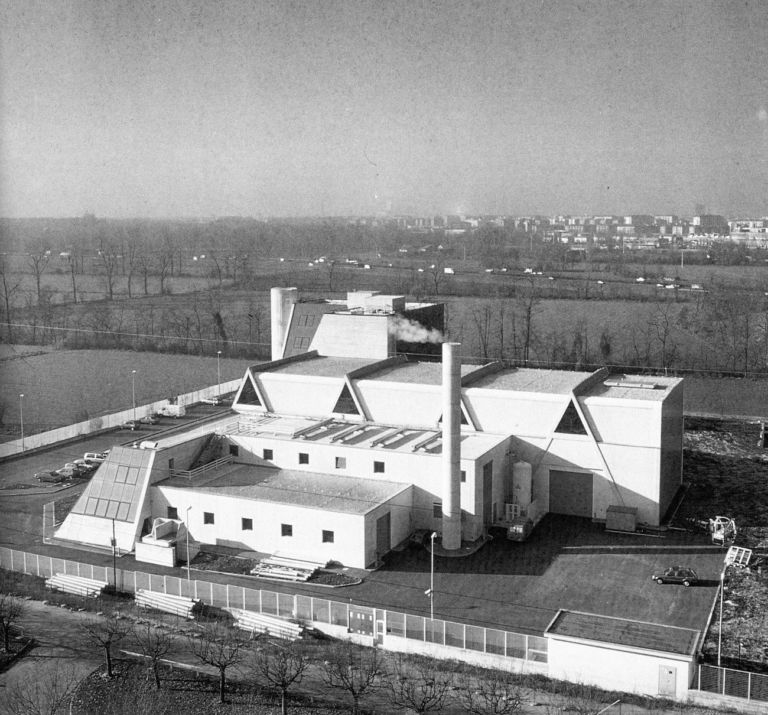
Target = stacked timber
(270,625)
(76,585)
(177,605)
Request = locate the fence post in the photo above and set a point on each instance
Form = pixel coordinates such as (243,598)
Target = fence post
(24,561)
(227,591)
(242,590)
(699,676)
(211,599)
(724,670)
(749,686)
(38,565)
(165,584)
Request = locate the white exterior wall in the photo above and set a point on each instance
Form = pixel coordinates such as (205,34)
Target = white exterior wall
(399,508)
(301,395)
(420,469)
(386,403)
(519,413)
(308,524)
(365,336)
(614,669)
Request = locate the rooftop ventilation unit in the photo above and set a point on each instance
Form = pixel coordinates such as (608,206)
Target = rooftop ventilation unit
(633,385)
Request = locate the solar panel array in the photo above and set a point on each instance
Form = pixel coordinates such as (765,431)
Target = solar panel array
(115,490)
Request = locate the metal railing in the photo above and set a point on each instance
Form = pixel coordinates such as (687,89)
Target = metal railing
(362,620)
(735,683)
(210,467)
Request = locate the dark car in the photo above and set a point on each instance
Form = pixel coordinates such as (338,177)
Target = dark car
(677,574)
(131,425)
(150,420)
(50,476)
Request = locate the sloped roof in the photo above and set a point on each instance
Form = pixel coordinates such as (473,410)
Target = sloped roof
(114,491)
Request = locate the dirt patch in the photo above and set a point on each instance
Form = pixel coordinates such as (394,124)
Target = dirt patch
(727,472)
(206,561)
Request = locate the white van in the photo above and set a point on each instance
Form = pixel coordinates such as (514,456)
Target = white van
(97,457)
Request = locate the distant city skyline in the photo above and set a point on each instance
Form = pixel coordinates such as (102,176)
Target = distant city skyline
(282,108)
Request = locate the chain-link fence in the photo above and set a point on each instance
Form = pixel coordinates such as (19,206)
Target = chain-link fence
(736,683)
(363,620)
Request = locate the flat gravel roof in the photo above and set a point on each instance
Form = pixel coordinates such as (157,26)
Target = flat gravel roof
(314,490)
(625,632)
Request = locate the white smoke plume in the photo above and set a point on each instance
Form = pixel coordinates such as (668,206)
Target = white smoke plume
(412,332)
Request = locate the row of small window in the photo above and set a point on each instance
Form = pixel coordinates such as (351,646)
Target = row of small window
(340,462)
(247,524)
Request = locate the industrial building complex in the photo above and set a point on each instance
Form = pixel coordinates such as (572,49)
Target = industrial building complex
(342,447)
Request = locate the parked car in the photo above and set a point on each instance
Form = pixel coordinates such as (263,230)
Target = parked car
(150,419)
(131,425)
(68,472)
(677,574)
(50,476)
(95,457)
(211,401)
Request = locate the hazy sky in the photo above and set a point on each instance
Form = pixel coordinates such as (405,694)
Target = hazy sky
(141,108)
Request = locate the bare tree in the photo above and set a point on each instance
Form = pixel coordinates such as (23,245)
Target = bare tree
(10,287)
(282,666)
(481,317)
(495,694)
(354,669)
(108,257)
(46,693)
(105,633)
(220,647)
(154,644)
(164,266)
(420,687)
(11,611)
(38,262)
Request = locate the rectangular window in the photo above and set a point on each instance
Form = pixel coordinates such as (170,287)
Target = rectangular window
(378,467)
(247,524)
(234,450)
(173,512)
(341,462)
(463,475)
(286,529)
(268,454)
(170,464)
(303,458)
(437,510)
(327,537)
(488,470)
(207,517)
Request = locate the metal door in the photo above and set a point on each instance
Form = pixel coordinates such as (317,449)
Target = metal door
(667,681)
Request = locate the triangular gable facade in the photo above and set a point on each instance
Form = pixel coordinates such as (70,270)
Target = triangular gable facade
(570,422)
(248,394)
(346,404)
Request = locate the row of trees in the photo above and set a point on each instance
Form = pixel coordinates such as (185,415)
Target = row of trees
(415,685)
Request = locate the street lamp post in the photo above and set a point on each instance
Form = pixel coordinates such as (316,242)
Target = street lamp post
(720,627)
(189,580)
(133,392)
(21,418)
(218,373)
(431,591)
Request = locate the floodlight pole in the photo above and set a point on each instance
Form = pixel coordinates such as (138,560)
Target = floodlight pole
(21,418)
(114,557)
(432,577)
(218,373)
(189,580)
(133,392)
(720,627)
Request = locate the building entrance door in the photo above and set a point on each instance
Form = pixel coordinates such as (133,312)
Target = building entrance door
(383,541)
(667,681)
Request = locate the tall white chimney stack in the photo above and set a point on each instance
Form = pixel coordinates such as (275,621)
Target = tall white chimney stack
(451,447)
(282,301)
